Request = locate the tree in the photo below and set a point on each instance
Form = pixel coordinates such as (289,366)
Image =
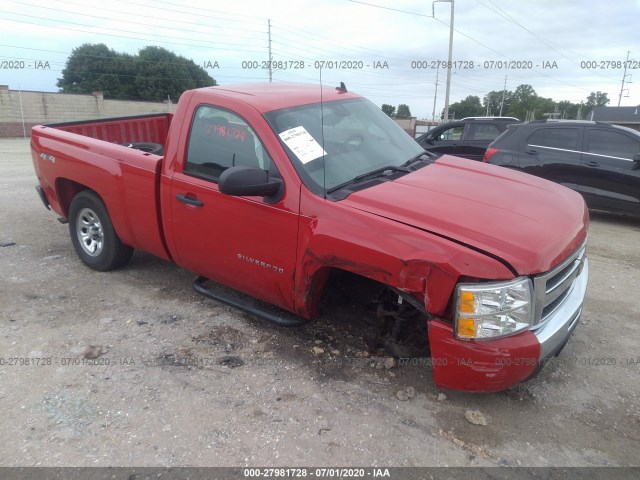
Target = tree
(403,111)
(94,67)
(153,74)
(568,110)
(469,107)
(161,74)
(595,99)
(523,102)
(493,99)
(390,110)
(544,108)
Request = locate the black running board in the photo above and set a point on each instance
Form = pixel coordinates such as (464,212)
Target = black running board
(247,304)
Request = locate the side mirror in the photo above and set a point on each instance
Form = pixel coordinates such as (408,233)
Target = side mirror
(249,181)
(636,157)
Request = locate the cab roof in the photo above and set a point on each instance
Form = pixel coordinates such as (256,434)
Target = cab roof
(266,97)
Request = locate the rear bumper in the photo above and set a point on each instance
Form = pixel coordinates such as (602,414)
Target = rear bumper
(494,365)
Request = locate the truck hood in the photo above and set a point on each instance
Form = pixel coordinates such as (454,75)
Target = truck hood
(527,222)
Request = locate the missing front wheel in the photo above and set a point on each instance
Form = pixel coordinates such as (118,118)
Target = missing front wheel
(403,328)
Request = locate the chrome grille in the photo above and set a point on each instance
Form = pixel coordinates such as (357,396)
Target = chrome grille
(552,288)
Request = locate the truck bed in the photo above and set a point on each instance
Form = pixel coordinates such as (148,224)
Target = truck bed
(141,128)
(75,156)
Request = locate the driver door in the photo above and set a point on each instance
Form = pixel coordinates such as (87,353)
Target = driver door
(241,242)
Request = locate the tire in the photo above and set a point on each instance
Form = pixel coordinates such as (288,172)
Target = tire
(93,236)
(155,148)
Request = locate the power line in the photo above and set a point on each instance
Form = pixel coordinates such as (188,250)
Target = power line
(99,17)
(392,9)
(504,14)
(508,17)
(466,36)
(200,12)
(115,29)
(343,48)
(93,32)
(200,9)
(287,38)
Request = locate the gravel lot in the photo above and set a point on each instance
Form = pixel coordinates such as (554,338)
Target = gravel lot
(180,380)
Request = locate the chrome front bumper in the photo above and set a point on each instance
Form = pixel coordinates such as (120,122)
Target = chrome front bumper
(556,330)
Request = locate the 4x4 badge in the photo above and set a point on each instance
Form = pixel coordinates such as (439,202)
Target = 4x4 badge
(46,156)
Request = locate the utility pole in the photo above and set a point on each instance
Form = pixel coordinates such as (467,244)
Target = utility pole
(435,95)
(448,89)
(24,129)
(270,59)
(624,78)
(504,89)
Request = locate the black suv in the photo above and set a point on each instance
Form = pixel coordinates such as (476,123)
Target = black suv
(599,160)
(466,138)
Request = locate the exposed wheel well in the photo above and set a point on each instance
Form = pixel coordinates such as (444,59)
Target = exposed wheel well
(397,325)
(342,286)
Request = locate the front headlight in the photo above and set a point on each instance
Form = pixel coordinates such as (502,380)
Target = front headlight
(490,310)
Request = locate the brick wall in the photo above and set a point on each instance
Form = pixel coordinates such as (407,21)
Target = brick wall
(44,107)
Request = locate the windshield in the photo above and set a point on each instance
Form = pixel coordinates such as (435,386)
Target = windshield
(333,144)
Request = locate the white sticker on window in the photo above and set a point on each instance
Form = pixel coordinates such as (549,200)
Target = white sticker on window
(302,144)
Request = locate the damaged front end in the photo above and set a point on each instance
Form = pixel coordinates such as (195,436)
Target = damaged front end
(403,326)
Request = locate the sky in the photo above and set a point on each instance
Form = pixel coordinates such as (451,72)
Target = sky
(389,52)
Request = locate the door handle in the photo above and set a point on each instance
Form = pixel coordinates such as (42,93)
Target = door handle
(531,151)
(190,200)
(592,164)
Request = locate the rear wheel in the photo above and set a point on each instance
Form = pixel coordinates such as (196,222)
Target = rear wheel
(93,236)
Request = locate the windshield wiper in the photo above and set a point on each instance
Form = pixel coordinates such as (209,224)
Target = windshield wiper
(379,171)
(369,175)
(417,158)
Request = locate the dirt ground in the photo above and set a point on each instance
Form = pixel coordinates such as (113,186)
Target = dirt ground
(182,381)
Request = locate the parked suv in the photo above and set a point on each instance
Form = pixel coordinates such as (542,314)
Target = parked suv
(599,160)
(467,138)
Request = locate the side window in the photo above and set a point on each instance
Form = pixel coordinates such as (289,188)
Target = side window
(220,139)
(566,138)
(613,144)
(479,131)
(453,133)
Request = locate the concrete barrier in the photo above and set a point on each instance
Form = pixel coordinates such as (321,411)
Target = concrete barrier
(21,110)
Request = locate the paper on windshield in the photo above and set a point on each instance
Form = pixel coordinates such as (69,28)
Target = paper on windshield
(302,144)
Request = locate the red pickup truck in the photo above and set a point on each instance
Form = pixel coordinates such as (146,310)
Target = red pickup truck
(275,194)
